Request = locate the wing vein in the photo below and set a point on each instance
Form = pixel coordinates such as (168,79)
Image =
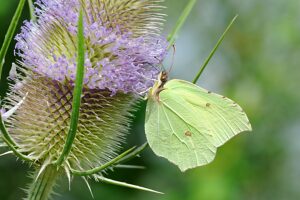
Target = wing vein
(172,110)
(173,132)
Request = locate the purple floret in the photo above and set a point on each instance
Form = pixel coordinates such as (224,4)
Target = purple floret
(115,59)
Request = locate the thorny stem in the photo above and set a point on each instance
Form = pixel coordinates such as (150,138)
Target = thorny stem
(42,187)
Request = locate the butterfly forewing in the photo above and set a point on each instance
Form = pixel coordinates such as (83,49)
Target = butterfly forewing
(221,116)
(173,137)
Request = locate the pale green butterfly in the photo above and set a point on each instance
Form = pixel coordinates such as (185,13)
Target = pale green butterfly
(186,123)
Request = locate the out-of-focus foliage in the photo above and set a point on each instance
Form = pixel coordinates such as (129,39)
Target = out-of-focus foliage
(257,66)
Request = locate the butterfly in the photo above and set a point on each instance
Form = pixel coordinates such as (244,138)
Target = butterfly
(186,123)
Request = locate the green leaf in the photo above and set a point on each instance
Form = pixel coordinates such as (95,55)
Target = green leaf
(123,184)
(186,123)
(77,92)
(214,50)
(31,10)
(10,33)
(172,36)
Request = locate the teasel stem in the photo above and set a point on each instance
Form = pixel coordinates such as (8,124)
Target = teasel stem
(42,187)
(76,94)
(10,33)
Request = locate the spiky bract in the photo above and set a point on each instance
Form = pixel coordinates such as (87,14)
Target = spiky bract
(41,124)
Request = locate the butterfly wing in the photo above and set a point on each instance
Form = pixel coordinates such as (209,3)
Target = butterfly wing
(188,123)
(173,137)
(222,117)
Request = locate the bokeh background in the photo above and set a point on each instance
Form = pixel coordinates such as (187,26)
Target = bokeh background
(257,65)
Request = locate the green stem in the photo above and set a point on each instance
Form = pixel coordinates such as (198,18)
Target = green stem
(76,94)
(212,53)
(133,154)
(172,36)
(31,10)
(5,133)
(10,141)
(42,187)
(10,33)
(103,167)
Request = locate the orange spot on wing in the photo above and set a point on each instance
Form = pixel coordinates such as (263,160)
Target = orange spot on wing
(188,133)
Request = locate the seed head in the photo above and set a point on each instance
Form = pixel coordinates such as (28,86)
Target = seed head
(123,53)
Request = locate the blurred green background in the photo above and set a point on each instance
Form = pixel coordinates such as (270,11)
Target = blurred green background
(257,65)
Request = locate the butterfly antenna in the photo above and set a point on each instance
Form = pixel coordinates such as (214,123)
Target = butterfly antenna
(173,58)
(159,66)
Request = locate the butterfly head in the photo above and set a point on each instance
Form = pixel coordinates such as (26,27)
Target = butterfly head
(159,85)
(163,78)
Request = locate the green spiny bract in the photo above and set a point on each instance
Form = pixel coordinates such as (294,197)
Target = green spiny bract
(41,124)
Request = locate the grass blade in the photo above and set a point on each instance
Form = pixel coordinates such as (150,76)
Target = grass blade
(214,50)
(10,33)
(76,94)
(172,36)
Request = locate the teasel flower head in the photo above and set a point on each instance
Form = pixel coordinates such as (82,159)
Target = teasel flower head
(121,43)
(123,52)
